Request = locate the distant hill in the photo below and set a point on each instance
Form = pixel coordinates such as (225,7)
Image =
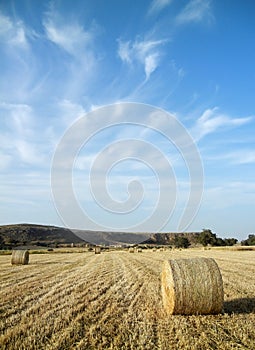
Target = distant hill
(112,238)
(30,234)
(42,235)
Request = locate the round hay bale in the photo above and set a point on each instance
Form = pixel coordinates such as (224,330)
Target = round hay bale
(139,250)
(20,257)
(131,250)
(97,250)
(192,286)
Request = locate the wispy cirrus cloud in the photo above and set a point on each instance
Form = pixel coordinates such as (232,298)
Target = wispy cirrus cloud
(195,11)
(12,33)
(240,192)
(244,156)
(18,118)
(75,43)
(19,61)
(68,34)
(212,120)
(157,6)
(144,52)
(70,111)
(21,137)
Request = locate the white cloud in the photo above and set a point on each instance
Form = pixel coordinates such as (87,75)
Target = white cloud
(157,6)
(195,11)
(211,120)
(76,48)
(18,117)
(228,193)
(68,35)
(124,51)
(70,111)
(29,152)
(151,63)
(145,52)
(12,33)
(244,156)
(5,161)
(22,137)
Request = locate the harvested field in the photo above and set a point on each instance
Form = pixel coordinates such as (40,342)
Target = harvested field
(113,301)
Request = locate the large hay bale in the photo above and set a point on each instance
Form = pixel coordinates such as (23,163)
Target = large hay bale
(139,250)
(97,250)
(131,250)
(20,257)
(192,286)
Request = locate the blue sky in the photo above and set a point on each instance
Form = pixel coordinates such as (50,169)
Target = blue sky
(193,58)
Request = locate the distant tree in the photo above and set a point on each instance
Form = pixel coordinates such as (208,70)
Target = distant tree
(181,242)
(220,242)
(230,241)
(207,237)
(249,241)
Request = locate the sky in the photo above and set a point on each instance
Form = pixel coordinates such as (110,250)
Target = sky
(114,79)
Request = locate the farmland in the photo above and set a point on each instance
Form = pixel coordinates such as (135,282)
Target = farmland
(113,301)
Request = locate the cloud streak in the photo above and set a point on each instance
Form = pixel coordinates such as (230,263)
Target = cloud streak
(157,6)
(195,11)
(69,35)
(12,33)
(211,120)
(238,157)
(145,52)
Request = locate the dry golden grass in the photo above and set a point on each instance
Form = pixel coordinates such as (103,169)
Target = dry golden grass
(113,301)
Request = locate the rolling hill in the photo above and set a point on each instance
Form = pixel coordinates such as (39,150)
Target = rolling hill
(43,235)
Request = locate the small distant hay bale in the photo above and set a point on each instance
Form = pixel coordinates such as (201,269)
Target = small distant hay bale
(131,250)
(139,250)
(20,257)
(161,249)
(192,286)
(154,249)
(97,250)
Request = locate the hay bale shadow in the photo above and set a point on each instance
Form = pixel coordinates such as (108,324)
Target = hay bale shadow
(240,306)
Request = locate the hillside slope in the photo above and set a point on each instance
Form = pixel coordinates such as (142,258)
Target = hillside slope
(31,234)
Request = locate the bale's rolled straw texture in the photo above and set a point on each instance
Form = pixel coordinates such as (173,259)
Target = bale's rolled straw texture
(20,257)
(192,286)
(97,250)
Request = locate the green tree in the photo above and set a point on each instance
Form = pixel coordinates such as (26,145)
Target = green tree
(249,241)
(207,237)
(181,242)
(230,241)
